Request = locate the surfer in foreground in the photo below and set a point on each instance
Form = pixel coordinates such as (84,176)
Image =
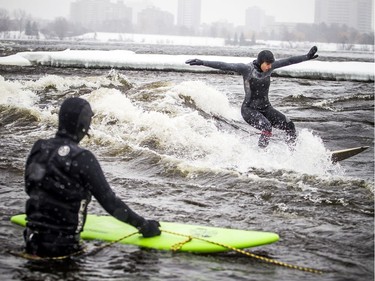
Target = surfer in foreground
(60,179)
(256,108)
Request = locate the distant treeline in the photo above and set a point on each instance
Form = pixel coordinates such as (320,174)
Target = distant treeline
(62,28)
(334,33)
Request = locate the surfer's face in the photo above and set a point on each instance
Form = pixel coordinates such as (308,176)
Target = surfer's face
(265,66)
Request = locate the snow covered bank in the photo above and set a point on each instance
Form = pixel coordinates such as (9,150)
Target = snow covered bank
(122,59)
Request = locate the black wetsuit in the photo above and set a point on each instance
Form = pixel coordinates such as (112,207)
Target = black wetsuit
(256,108)
(58,202)
(60,179)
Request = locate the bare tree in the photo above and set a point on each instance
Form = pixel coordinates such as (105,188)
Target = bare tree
(60,27)
(20,17)
(4,20)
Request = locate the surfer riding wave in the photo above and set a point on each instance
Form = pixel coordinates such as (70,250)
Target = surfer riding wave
(256,108)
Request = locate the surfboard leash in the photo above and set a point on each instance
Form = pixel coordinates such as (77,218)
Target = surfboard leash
(109,244)
(179,245)
(38,258)
(176,247)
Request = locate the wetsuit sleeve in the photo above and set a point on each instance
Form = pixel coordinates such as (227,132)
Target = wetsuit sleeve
(92,174)
(236,67)
(29,159)
(289,61)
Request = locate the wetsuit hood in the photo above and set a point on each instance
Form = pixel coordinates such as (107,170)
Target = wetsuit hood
(74,119)
(265,56)
(257,65)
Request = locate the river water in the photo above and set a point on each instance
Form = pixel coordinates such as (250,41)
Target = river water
(174,147)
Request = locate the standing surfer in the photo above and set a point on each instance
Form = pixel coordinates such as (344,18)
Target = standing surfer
(256,108)
(60,179)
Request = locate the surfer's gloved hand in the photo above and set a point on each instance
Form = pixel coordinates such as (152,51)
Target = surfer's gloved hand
(150,228)
(194,62)
(312,53)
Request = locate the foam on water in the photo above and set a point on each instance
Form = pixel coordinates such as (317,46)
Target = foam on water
(207,99)
(171,128)
(168,152)
(14,93)
(174,121)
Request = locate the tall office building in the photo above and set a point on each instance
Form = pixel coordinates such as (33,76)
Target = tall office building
(189,14)
(257,20)
(94,13)
(153,20)
(353,13)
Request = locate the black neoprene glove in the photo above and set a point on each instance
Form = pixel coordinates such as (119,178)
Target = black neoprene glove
(312,53)
(150,228)
(194,62)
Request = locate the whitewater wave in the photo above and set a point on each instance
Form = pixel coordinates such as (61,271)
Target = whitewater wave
(190,125)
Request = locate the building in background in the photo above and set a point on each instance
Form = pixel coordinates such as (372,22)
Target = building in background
(189,15)
(256,19)
(101,15)
(155,21)
(353,13)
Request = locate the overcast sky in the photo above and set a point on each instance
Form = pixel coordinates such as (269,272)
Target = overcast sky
(212,10)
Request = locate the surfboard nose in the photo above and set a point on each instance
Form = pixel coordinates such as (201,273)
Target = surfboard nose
(343,154)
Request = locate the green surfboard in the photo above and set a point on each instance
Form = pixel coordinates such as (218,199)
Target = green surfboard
(174,236)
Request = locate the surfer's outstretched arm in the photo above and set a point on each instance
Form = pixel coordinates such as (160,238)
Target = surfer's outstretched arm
(236,67)
(296,59)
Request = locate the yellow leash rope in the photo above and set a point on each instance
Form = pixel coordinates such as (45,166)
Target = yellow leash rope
(175,247)
(178,246)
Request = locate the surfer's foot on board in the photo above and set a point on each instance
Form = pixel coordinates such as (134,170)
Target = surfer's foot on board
(291,141)
(264,139)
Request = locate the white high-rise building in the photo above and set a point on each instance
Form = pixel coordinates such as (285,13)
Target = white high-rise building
(189,13)
(256,19)
(93,13)
(353,13)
